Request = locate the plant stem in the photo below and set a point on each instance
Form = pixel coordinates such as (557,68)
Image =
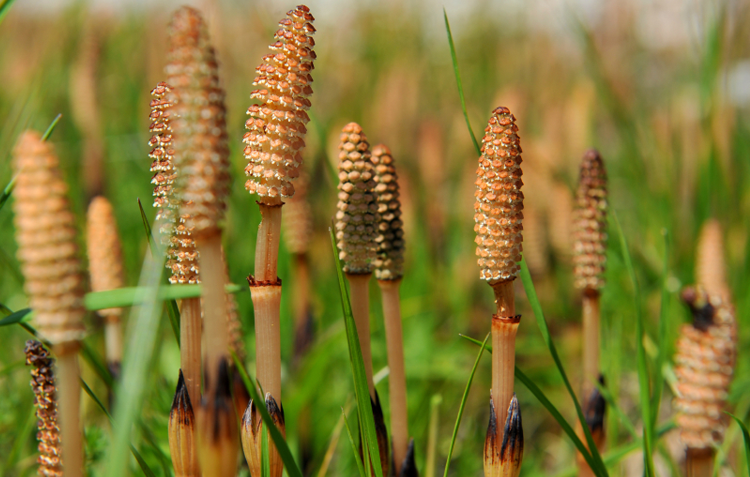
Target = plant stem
(267,244)
(266,303)
(590,342)
(113,343)
(69,410)
(359,284)
(699,462)
(397,378)
(504,328)
(301,300)
(214,304)
(190,347)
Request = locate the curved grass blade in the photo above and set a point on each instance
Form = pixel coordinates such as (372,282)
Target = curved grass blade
(173,312)
(96,363)
(463,404)
(17,317)
(596,463)
(459,83)
(643,374)
(51,127)
(290,465)
(354,445)
(663,338)
(129,296)
(142,463)
(361,391)
(7,191)
(335,435)
(539,394)
(5,8)
(745,437)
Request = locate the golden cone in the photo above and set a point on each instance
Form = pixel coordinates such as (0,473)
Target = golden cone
(499,200)
(276,128)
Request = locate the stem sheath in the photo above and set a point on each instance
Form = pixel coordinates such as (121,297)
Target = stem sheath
(266,303)
(504,328)
(190,347)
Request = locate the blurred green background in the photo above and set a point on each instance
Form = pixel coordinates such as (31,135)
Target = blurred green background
(662,89)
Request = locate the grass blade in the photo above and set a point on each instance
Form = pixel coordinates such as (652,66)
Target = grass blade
(432,435)
(361,390)
(142,463)
(745,437)
(96,363)
(173,311)
(129,296)
(17,317)
(51,127)
(643,374)
(459,84)
(354,445)
(463,404)
(5,8)
(596,463)
(7,191)
(285,453)
(663,338)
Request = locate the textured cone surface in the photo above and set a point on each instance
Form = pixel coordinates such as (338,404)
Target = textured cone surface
(104,250)
(45,401)
(198,123)
(182,256)
(276,128)
(710,265)
(590,219)
(46,238)
(389,264)
(182,433)
(499,200)
(503,449)
(296,222)
(704,365)
(357,207)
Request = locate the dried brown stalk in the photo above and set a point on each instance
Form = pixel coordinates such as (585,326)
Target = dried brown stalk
(704,366)
(182,446)
(46,238)
(389,272)
(498,216)
(105,267)
(182,255)
(45,401)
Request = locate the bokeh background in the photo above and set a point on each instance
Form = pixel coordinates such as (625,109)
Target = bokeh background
(661,88)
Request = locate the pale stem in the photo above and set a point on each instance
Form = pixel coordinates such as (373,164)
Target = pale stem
(214,304)
(113,338)
(266,303)
(359,284)
(190,347)
(590,342)
(397,378)
(69,412)
(504,328)
(267,243)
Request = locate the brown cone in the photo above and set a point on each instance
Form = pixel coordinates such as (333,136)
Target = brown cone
(590,218)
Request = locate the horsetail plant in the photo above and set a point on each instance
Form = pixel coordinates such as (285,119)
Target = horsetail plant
(710,264)
(105,268)
(201,158)
(46,237)
(356,234)
(45,401)
(498,216)
(589,259)
(389,265)
(182,446)
(274,142)
(704,365)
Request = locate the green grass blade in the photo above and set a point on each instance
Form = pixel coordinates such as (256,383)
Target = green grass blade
(142,463)
(97,364)
(361,390)
(432,435)
(459,84)
(745,438)
(539,394)
(173,311)
(461,407)
(129,296)
(354,445)
(5,8)
(292,469)
(598,466)
(7,191)
(51,127)
(144,323)
(20,439)
(663,338)
(643,374)
(17,317)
